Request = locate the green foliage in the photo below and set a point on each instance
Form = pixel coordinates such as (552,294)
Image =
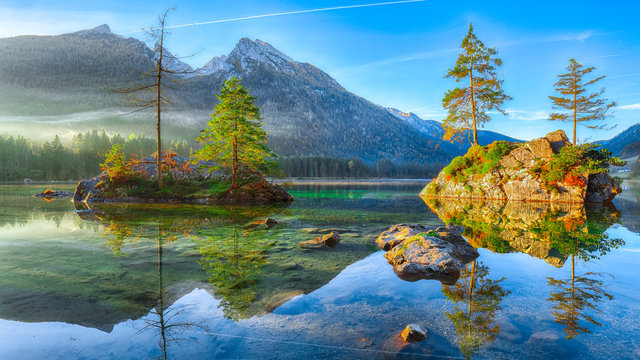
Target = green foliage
(574,161)
(234,137)
(482,297)
(479,160)
(468,106)
(579,106)
(115,165)
(234,263)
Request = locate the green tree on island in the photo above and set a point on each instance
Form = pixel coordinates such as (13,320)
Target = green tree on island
(580,106)
(468,105)
(234,137)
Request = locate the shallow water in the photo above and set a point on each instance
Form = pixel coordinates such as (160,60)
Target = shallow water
(179,282)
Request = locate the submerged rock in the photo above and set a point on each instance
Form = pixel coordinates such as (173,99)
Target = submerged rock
(516,176)
(266,223)
(421,252)
(328,240)
(413,333)
(50,194)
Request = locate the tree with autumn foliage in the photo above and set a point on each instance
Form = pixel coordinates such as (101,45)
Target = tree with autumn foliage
(468,105)
(234,138)
(579,105)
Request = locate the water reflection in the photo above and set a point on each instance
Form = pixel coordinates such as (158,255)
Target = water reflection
(477,300)
(234,259)
(252,268)
(553,232)
(537,229)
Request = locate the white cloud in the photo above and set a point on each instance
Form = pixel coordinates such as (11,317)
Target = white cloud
(527,115)
(629,107)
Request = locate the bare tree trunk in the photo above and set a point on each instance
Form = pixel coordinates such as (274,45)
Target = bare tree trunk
(575,118)
(235,157)
(158,108)
(473,108)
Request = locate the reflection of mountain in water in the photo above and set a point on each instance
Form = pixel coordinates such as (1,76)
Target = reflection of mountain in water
(527,227)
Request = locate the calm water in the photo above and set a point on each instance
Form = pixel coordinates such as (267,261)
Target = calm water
(189,282)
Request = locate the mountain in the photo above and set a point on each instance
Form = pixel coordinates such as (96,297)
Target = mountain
(626,144)
(65,81)
(434,131)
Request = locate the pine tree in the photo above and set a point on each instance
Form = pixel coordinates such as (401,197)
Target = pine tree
(234,137)
(468,106)
(573,97)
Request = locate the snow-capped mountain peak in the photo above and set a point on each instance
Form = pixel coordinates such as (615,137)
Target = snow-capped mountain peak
(427,127)
(248,52)
(171,62)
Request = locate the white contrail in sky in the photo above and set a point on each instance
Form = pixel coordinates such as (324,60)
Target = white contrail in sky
(284,13)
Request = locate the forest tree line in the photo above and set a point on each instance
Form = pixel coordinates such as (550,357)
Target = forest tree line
(22,158)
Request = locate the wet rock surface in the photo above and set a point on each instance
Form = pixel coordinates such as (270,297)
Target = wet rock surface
(413,333)
(329,240)
(426,252)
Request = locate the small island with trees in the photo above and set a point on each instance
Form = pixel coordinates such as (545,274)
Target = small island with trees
(229,169)
(550,168)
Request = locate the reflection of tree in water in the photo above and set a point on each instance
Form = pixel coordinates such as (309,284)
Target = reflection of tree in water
(161,318)
(574,298)
(234,258)
(475,325)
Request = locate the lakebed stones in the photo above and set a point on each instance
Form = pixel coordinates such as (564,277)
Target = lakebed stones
(328,240)
(516,178)
(426,252)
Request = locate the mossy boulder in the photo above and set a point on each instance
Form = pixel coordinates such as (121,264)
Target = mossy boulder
(545,169)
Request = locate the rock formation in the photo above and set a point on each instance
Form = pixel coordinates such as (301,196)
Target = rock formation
(426,252)
(516,175)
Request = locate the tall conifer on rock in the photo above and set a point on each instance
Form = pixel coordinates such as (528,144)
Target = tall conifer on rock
(573,97)
(468,106)
(234,137)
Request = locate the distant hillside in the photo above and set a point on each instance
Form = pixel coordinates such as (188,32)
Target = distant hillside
(626,144)
(64,82)
(434,131)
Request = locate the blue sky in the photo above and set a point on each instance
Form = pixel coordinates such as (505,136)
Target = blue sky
(395,55)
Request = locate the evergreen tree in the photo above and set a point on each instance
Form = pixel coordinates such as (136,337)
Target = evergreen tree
(574,98)
(234,137)
(468,106)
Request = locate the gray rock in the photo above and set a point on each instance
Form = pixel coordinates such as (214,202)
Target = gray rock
(420,252)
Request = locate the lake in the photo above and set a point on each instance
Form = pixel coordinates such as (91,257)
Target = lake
(189,282)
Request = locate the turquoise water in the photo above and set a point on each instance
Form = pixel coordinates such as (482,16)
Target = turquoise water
(180,282)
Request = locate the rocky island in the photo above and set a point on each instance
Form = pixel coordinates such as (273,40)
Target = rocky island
(546,169)
(186,182)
